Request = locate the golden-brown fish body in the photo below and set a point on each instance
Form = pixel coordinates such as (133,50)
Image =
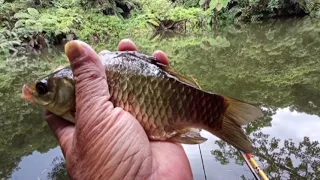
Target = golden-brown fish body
(167,105)
(161,103)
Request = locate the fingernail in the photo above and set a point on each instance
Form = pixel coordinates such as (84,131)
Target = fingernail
(127,45)
(161,57)
(74,50)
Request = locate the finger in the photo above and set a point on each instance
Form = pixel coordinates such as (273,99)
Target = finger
(161,57)
(62,129)
(127,45)
(88,70)
(91,86)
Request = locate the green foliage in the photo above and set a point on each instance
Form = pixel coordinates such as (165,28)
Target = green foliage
(179,13)
(253,10)
(29,21)
(120,8)
(188,3)
(152,10)
(155,15)
(222,11)
(65,3)
(7,11)
(310,6)
(36,27)
(217,5)
(53,22)
(103,29)
(57,21)
(8,41)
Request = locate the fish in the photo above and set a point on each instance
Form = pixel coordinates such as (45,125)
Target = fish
(169,106)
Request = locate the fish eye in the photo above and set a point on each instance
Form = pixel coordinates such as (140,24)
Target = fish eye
(41,88)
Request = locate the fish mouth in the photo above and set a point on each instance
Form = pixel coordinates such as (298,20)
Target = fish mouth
(27,93)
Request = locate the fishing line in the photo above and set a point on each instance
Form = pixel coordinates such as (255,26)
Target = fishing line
(204,171)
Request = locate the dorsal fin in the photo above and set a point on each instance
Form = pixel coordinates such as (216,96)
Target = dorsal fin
(170,71)
(182,78)
(166,68)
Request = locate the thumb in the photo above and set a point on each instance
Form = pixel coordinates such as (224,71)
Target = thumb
(91,86)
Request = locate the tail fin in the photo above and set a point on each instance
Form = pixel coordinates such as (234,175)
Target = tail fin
(241,113)
(233,134)
(237,114)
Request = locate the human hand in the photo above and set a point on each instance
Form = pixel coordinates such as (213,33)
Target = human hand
(107,142)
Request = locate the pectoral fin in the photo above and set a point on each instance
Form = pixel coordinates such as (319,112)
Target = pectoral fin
(188,136)
(69,116)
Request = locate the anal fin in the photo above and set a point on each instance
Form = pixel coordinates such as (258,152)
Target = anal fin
(188,136)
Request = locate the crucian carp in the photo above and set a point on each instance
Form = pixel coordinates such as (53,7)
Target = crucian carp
(169,106)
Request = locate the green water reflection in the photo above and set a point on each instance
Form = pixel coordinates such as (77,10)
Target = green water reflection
(275,64)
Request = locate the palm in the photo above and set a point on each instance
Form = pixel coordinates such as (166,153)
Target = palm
(172,160)
(131,148)
(169,158)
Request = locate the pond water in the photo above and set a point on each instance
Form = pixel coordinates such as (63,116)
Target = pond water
(275,64)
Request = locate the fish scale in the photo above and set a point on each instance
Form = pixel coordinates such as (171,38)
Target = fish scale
(152,91)
(168,105)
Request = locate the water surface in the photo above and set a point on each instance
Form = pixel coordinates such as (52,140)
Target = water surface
(275,64)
